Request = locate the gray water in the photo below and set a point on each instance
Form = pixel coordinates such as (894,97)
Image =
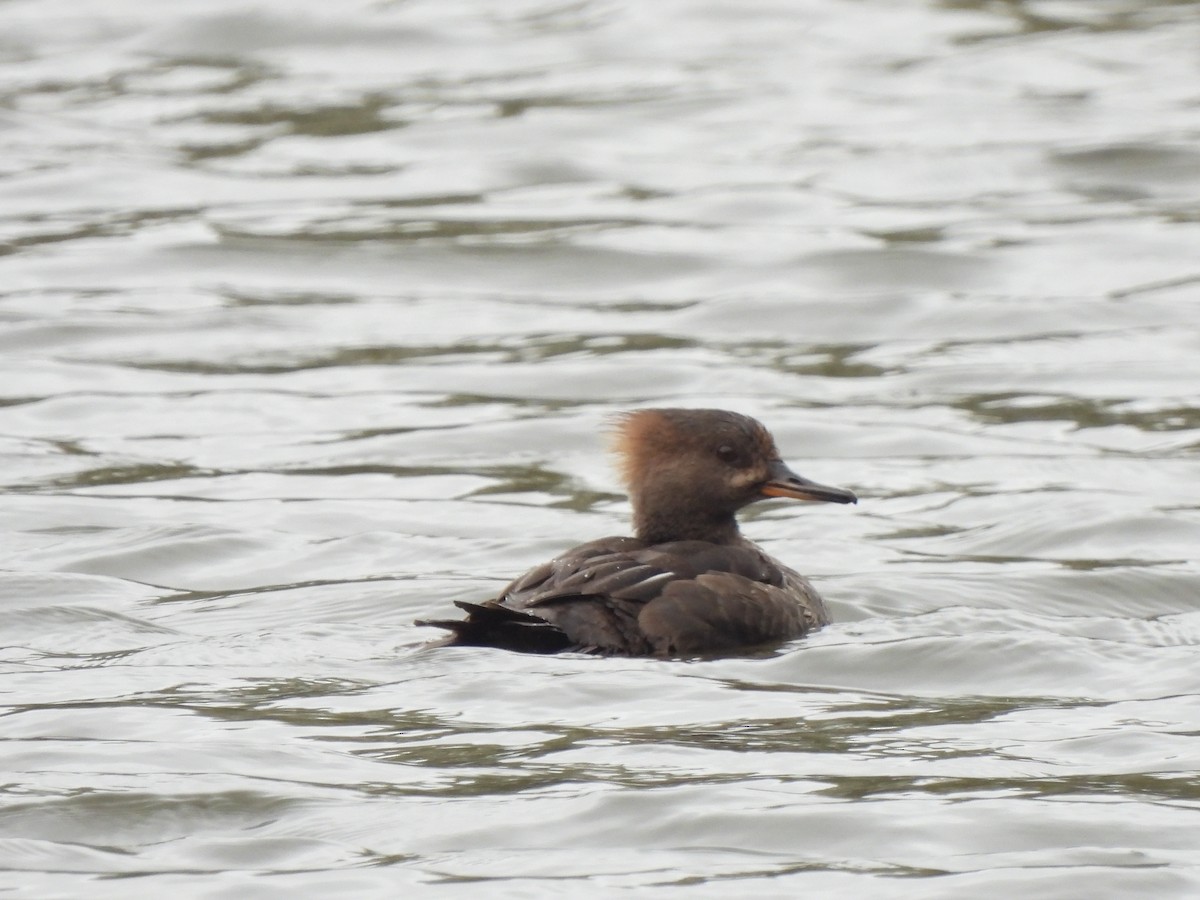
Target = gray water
(311,317)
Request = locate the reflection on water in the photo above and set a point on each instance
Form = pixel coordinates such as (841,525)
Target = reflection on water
(310,325)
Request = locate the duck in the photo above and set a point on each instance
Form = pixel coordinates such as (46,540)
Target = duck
(687,584)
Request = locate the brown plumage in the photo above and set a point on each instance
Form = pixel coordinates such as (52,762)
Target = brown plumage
(687,583)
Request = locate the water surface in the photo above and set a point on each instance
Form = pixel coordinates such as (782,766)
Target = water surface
(310,322)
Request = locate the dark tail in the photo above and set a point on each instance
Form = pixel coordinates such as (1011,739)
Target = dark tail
(493,625)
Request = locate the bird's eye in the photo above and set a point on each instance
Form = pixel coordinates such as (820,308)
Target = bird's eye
(727,454)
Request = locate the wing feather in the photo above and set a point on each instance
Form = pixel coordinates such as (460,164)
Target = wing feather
(620,596)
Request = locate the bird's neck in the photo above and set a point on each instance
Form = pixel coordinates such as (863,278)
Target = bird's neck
(660,526)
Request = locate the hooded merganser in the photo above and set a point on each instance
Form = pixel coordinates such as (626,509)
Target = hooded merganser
(688,583)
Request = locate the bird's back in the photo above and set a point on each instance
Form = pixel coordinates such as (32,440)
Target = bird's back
(624,596)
